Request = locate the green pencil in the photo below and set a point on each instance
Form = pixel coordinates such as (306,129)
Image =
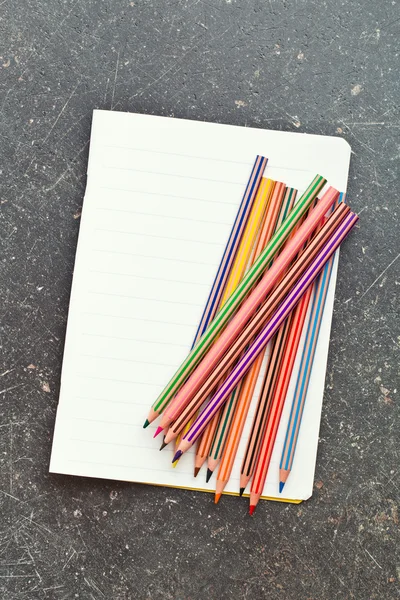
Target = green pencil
(234,301)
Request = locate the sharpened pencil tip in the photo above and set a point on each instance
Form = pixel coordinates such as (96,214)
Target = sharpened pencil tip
(174,464)
(158,431)
(177,456)
(146,424)
(163,444)
(281,486)
(252,509)
(196,471)
(217,497)
(209,475)
(241,491)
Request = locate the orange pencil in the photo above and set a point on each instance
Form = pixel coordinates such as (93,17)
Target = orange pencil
(284,204)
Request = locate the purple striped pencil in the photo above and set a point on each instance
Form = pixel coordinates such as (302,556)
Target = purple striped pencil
(266,333)
(224,268)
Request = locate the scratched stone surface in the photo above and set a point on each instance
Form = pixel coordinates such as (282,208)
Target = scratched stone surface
(319,67)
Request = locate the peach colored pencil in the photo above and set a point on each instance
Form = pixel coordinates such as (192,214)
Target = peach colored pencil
(253,327)
(249,306)
(232,405)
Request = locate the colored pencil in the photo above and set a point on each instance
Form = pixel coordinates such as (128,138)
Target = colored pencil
(269,435)
(264,195)
(249,384)
(320,292)
(246,394)
(253,327)
(233,303)
(252,225)
(270,326)
(232,405)
(230,307)
(264,235)
(278,345)
(224,268)
(261,412)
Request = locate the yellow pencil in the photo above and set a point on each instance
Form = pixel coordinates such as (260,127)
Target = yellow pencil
(237,271)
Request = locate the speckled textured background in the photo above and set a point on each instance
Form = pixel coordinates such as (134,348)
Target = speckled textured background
(307,66)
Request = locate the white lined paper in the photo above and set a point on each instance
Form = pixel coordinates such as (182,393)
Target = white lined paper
(155,221)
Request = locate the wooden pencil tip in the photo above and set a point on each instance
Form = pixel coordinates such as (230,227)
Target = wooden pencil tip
(146,424)
(216,498)
(163,445)
(241,491)
(281,486)
(252,509)
(158,431)
(177,456)
(196,471)
(209,475)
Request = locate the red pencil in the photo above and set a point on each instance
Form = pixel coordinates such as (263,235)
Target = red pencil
(278,400)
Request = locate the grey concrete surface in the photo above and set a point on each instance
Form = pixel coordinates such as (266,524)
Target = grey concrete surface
(321,67)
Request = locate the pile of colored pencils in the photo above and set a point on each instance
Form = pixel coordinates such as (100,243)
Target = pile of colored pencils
(275,270)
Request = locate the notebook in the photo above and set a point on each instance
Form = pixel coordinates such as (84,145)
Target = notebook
(161,197)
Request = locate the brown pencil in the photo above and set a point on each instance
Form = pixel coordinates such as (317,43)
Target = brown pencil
(256,323)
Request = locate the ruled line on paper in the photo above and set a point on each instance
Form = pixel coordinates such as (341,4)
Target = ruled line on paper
(136,319)
(207,264)
(148,193)
(162,300)
(107,422)
(108,443)
(164,216)
(129,339)
(270,165)
(161,237)
(178,175)
(147,278)
(191,156)
(113,401)
(137,362)
(116,380)
(119,466)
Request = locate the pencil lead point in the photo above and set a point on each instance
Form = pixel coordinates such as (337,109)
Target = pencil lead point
(158,431)
(252,509)
(163,444)
(196,471)
(217,497)
(209,475)
(241,491)
(146,424)
(177,456)
(281,486)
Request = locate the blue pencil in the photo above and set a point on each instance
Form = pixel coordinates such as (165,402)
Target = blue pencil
(320,293)
(226,262)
